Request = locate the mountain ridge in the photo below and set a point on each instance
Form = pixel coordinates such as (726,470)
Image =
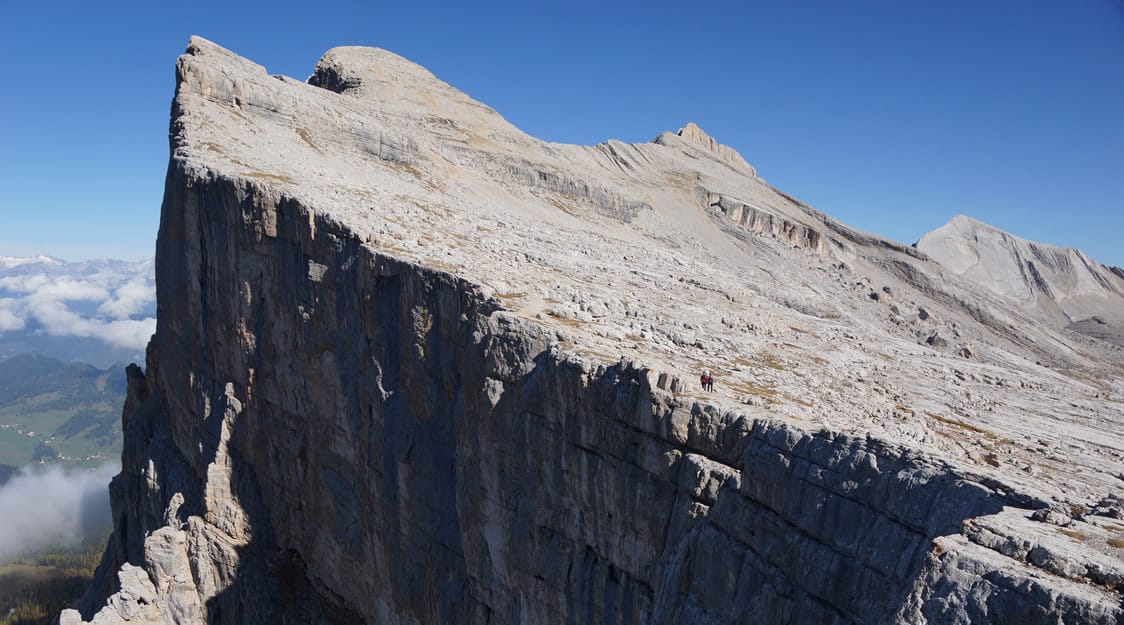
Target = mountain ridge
(414,365)
(1059,284)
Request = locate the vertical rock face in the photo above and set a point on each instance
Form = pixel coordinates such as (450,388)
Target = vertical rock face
(335,427)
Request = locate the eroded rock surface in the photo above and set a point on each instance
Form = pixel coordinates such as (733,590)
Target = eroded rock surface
(414,366)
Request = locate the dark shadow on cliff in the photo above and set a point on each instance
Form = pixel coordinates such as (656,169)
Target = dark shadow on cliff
(387,400)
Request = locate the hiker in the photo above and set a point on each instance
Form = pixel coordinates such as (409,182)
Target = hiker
(706,380)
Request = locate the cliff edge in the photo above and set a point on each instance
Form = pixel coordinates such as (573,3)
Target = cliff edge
(415,366)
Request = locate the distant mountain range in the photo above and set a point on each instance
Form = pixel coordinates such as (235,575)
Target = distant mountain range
(53,411)
(96,311)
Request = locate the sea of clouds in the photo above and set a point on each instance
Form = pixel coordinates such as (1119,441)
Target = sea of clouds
(113,301)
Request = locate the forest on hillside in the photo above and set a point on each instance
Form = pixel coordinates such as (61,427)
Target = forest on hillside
(35,587)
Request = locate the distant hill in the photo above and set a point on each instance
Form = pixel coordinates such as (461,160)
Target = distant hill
(1060,285)
(52,411)
(66,348)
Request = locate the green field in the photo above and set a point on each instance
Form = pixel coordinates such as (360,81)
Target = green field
(51,411)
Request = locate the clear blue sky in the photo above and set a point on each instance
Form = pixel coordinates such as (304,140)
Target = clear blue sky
(891,116)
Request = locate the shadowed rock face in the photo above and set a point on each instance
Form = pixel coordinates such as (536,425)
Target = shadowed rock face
(413,366)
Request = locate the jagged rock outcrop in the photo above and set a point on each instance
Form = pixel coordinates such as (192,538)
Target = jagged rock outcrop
(759,221)
(691,134)
(395,379)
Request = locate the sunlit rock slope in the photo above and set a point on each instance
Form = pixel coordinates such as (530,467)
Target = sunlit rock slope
(415,366)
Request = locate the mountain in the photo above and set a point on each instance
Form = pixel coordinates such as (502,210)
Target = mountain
(1061,285)
(96,311)
(413,365)
(52,411)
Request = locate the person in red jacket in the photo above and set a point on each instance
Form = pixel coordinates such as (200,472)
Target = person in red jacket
(707,381)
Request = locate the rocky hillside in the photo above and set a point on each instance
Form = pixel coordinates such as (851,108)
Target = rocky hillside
(413,365)
(1060,285)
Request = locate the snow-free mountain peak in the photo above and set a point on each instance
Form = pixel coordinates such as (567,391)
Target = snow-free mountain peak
(1060,284)
(691,134)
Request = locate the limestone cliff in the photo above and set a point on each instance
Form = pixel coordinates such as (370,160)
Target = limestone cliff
(414,366)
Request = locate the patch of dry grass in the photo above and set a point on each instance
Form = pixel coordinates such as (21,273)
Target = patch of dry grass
(1074,534)
(408,168)
(413,201)
(771,361)
(260,175)
(565,207)
(756,390)
(444,266)
(573,323)
(303,134)
(988,434)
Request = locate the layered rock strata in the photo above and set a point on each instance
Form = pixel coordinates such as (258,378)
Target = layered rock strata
(395,380)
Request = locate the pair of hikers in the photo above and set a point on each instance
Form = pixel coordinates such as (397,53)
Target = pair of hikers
(707,381)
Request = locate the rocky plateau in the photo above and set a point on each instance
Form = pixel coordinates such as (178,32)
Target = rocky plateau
(413,366)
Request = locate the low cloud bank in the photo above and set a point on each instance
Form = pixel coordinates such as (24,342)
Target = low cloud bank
(52,507)
(107,300)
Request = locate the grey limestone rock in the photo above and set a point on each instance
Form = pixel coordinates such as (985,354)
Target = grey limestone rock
(413,367)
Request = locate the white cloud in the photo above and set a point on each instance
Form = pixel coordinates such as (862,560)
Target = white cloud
(53,507)
(9,319)
(129,299)
(24,284)
(68,290)
(128,333)
(58,320)
(56,288)
(45,299)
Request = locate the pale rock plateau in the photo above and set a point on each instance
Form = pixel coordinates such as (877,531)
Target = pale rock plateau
(414,366)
